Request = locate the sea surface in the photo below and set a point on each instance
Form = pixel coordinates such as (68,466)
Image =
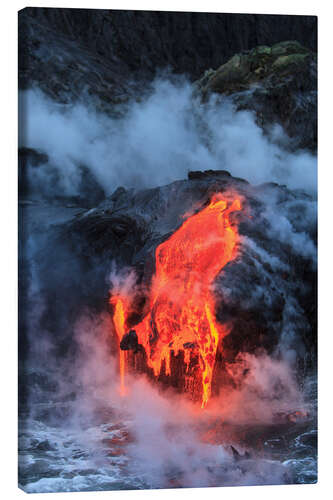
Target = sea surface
(59,454)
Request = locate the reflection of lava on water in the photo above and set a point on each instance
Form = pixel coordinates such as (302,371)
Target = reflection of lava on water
(181,315)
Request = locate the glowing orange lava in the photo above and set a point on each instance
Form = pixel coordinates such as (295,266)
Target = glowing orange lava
(119,322)
(181,313)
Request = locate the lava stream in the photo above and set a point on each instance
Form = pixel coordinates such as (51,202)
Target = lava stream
(119,322)
(181,313)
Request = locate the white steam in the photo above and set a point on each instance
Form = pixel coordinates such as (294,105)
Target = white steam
(156,141)
(168,443)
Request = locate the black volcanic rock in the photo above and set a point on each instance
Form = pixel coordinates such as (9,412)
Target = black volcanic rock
(28,157)
(47,185)
(68,51)
(198,174)
(129,341)
(278,83)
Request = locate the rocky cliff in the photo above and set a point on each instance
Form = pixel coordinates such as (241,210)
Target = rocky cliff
(279,83)
(104,51)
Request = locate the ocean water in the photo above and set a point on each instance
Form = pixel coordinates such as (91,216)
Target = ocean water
(100,451)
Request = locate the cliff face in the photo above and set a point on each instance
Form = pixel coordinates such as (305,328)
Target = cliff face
(73,49)
(278,83)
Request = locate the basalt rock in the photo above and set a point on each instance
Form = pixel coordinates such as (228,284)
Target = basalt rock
(106,53)
(198,174)
(278,83)
(129,341)
(32,158)
(39,179)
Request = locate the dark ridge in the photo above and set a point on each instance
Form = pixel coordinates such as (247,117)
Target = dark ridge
(135,44)
(198,174)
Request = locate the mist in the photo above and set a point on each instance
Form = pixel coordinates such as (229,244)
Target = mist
(168,438)
(154,141)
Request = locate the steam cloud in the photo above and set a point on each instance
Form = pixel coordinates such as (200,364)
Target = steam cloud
(165,443)
(156,141)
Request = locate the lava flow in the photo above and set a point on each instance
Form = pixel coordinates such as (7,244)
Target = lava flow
(181,313)
(119,322)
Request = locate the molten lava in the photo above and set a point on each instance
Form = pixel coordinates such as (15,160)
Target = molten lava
(119,322)
(181,314)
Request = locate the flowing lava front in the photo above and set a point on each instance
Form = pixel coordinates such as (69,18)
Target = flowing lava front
(181,313)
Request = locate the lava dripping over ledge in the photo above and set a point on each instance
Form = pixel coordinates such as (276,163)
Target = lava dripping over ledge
(181,314)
